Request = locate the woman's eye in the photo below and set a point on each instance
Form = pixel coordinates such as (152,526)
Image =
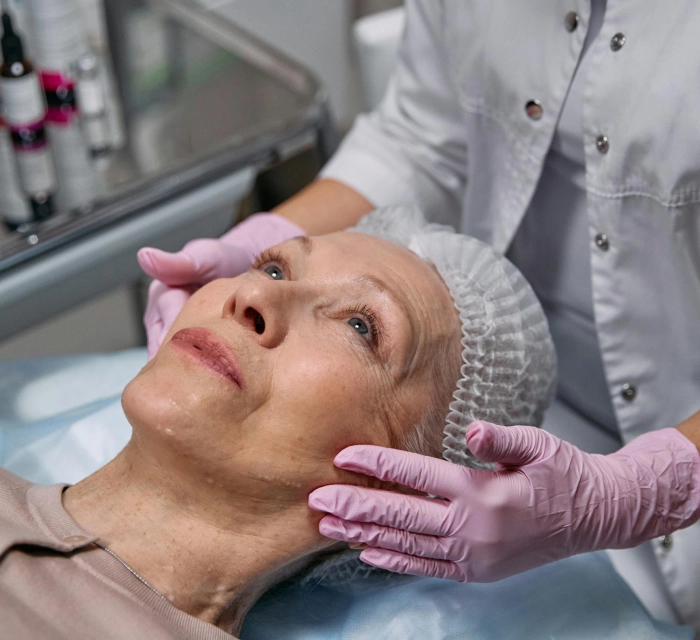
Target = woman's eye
(359,325)
(274,272)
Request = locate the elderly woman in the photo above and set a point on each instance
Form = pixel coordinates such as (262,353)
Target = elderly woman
(324,343)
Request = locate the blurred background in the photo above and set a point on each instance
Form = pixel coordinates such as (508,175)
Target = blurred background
(320,35)
(317,33)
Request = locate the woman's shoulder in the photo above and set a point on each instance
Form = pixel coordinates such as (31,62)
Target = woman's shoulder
(13,498)
(17,522)
(29,513)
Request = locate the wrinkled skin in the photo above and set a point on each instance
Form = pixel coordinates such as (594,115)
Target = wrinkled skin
(313,383)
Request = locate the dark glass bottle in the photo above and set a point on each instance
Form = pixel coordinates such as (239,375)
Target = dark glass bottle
(24,114)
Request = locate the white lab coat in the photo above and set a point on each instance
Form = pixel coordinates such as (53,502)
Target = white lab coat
(453,135)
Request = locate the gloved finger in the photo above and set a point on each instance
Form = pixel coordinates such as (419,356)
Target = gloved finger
(423,473)
(414,544)
(152,318)
(172,269)
(510,446)
(411,513)
(164,304)
(199,262)
(155,334)
(412,565)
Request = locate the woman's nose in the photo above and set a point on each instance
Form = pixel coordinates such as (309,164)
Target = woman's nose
(260,308)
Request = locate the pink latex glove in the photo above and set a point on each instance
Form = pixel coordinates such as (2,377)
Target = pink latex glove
(177,275)
(547,500)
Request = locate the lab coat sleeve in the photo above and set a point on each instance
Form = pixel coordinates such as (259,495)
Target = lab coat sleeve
(411,149)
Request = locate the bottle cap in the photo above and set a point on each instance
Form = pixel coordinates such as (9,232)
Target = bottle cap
(87,64)
(11,44)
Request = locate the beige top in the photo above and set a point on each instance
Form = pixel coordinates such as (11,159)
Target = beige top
(55,582)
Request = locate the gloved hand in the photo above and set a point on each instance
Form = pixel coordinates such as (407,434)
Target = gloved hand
(547,500)
(178,275)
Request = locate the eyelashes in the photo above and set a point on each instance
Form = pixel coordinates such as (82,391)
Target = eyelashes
(371,320)
(273,256)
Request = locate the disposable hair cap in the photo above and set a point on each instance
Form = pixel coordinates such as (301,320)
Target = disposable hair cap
(508,366)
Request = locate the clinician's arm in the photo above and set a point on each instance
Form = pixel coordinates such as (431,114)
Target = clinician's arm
(547,500)
(325,206)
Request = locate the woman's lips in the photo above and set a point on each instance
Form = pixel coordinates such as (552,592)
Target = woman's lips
(210,351)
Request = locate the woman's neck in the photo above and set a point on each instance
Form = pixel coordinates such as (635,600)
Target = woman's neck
(209,561)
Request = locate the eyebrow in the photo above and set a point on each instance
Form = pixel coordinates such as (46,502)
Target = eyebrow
(305,243)
(380,286)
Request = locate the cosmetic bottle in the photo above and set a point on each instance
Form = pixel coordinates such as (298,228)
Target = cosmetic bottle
(24,111)
(91,96)
(15,212)
(59,43)
(99,68)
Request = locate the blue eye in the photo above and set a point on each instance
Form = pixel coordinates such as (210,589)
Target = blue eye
(359,325)
(274,272)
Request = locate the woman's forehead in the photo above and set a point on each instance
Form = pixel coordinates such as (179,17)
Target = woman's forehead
(363,251)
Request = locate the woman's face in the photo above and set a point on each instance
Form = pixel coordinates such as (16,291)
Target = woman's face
(264,378)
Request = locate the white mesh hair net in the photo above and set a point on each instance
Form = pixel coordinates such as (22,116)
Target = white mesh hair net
(508,361)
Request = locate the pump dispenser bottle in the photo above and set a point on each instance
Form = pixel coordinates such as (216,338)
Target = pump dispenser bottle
(24,115)
(58,43)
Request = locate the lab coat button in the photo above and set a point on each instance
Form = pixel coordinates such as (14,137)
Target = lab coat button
(602,242)
(629,392)
(534,110)
(617,41)
(667,543)
(602,144)
(571,21)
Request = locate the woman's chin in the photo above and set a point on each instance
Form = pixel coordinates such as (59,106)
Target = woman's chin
(165,401)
